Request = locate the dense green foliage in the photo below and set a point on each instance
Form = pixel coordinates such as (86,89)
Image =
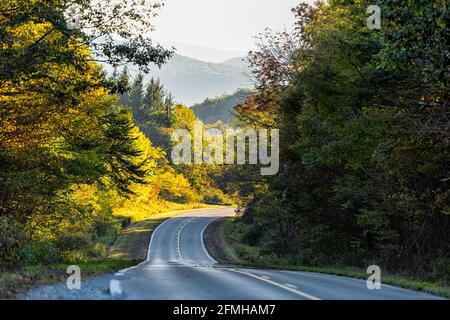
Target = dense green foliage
(151,106)
(364,124)
(71,160)
(220,108)
(363,117)
(157,116)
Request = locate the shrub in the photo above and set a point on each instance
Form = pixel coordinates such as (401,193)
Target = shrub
(40,253)
(124,221)
(11,242)
(215,196)
(75,241)
(101,227)
(98,250)
(74,256)
(441,270)
(109,232)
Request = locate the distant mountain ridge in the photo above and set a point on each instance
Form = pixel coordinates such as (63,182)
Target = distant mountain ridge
(220,108)
(201,52)
(192,81)
(238,62)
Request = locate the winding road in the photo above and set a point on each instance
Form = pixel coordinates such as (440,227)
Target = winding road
(179,267)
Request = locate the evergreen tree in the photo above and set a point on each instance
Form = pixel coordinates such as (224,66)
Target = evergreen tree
(135,99)
(122,84)
(169,103)
(122,150)
(154,97)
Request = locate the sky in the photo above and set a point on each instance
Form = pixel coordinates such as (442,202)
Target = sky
(223,24)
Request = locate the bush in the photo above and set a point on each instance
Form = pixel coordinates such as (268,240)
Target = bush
(11,242)
(40,253)
(441,270)
(101,227)
(215,196)
(75,241)
(74,256)
(97,251)
(109,232)
(124,221)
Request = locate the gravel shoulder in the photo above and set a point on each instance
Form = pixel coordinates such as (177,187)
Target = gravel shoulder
(95,288)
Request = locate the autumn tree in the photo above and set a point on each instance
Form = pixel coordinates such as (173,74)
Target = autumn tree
(364,150)
(61,136)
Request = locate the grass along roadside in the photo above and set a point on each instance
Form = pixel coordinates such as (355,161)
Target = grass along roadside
(225,244)
(15,284)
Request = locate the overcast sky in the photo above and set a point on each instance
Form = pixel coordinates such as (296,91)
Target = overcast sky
(222,24)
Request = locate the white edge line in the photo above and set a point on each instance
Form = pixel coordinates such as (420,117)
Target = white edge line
(114,285)
(179,234)
(203,242)
(131,268)
(298,292)
(114,288)
(148,250)
(177,216)
(154,231)
(151,237)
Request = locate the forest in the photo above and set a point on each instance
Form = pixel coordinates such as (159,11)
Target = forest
(364,128)
(364,131)
(77,164)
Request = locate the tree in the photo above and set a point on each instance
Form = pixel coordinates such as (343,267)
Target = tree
(135,99)
(61,137)
(169,102)
(122,150)
(364,152)
(80,23)
(154,97)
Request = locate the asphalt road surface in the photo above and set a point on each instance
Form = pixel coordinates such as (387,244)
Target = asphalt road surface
(178,267)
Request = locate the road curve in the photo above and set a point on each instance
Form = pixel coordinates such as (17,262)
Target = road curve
(178,267)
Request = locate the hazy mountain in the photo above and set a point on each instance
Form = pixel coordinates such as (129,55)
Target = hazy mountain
(239,62)
(220,108)
(192,81)
(202,53)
